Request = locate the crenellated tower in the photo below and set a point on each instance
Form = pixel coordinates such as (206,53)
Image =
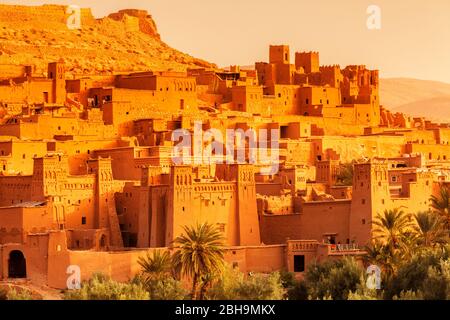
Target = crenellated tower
(106,213)
(370,196)
(56,72)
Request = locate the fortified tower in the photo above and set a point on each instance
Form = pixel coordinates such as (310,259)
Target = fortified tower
(56,72)
(180,210)
(279,54)
(369,197)
(246,206)
(48,184)
(106,216)
(49,175)
(309,61)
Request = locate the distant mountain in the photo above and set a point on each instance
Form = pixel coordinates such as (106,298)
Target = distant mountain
(430,99)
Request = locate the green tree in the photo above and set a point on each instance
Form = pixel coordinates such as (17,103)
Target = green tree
(391,228)
(157,277)
(429,229)
(233,285)
(167,289)
(441,204)
(427,275)
(295,289)
(380,255)
(333,279)
(157,266)
(345,175)
(199,252)
(100,287)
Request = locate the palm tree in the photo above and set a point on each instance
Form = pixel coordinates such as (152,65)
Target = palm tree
(200,252)
(391,228)
(429,229)
(206,282)
(441,204)
(379,254)
(156,267)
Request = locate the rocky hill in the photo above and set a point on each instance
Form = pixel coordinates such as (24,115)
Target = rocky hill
(124,41)
(430,99)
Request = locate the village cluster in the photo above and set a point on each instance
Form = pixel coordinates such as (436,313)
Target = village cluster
(95,171)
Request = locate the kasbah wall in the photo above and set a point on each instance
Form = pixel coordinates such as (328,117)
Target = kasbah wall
(87,177)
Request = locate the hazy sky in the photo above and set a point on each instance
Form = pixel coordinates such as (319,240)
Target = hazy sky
(414,40)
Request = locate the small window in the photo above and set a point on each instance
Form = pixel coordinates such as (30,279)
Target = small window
(83,220)
(363,221)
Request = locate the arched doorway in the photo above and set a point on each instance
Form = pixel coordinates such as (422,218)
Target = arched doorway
(17,265)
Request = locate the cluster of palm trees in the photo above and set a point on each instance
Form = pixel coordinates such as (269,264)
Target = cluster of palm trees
(398,235)
(199,256)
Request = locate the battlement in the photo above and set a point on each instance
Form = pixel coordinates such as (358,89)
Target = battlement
(309,61)
(332,66)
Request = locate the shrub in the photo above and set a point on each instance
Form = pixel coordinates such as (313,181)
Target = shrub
(409,295)
(363,293)
(298,292)
(427,274)
(3,293)
(232,285)
(333,279)
(14,294)
(167,289)
(295,290)
(103,288)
